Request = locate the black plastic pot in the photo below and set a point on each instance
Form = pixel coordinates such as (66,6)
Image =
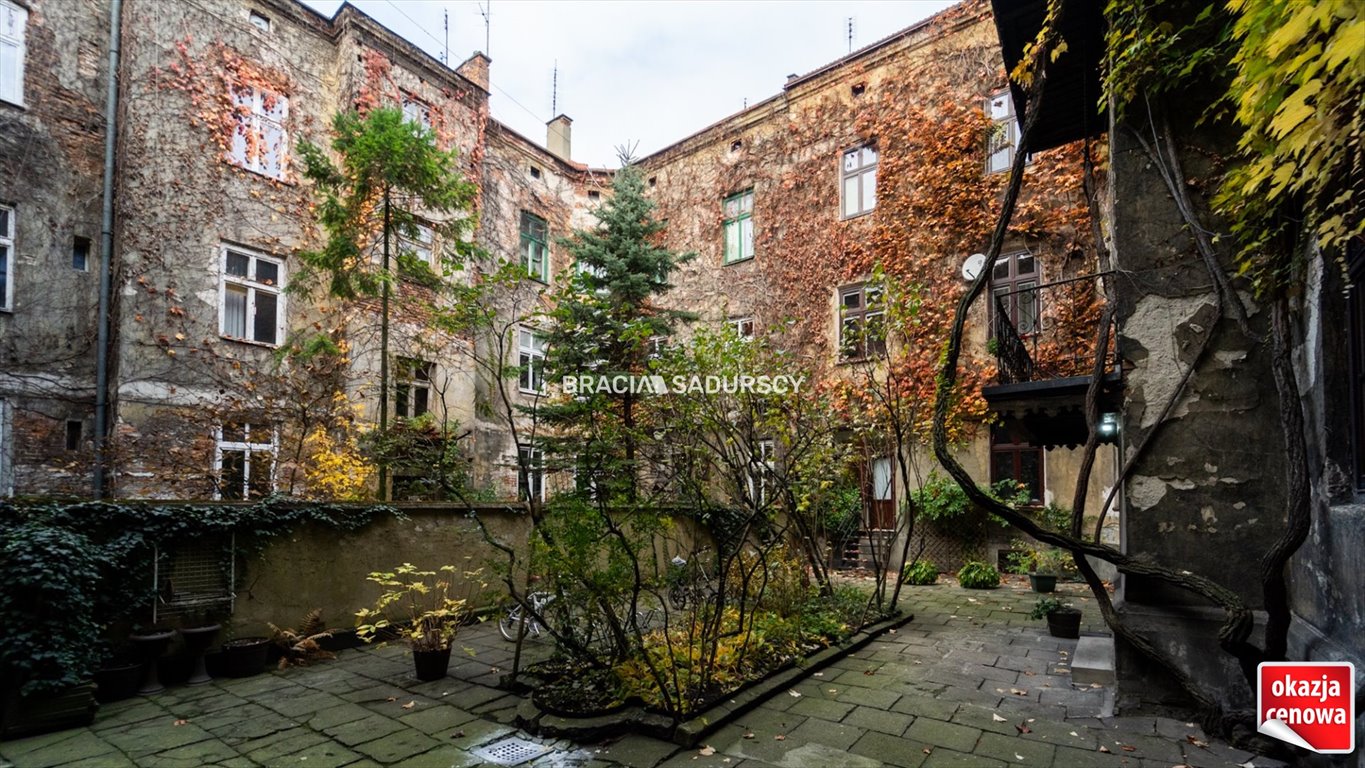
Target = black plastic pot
(117,682)
(1065,623)
(1043,582)
(197,641)
(244,656)
(431,665)
(149,648)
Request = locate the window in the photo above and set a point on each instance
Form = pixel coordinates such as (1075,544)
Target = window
(535,247)
(531,361)
(13,22)
(260,21)
(6,259)
(744,327)
(739,227)
(252,303)
(259,140)
(761,471)
(421,246)
(412,387)
(1004,135)
(535,172)
(1014,459)
(245,461)
(859,181)
(1014,288)
(73,435)
(656,346)
(862,327)
(530,473)
(80,254)
(416,112)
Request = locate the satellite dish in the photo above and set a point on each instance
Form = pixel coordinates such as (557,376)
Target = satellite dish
(973,265)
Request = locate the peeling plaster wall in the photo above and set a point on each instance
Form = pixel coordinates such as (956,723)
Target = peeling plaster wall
(1208,494)
(51,163)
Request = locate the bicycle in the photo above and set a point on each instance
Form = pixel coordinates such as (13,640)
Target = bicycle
(688,584)
(509,626)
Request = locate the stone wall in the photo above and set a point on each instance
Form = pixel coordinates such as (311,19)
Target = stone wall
(51,170)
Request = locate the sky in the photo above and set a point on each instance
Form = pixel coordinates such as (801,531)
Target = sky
(639,72)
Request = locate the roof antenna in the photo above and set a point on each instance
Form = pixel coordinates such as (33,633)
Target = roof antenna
(445,57)
(554,91)
(486,10)
(850,34)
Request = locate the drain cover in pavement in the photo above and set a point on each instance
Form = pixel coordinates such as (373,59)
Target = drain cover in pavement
(511,751)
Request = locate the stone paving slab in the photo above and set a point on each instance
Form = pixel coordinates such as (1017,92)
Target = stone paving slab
(970,682)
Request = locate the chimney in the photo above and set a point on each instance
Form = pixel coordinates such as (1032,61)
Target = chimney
(558,137)
(475,70)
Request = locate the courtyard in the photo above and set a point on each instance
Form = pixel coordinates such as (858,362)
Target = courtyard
(970,681)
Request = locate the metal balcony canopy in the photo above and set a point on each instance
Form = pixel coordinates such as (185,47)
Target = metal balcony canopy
(1070,99)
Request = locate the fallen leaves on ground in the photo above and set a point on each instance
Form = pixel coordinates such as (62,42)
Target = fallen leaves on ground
(997,718)
(1022,728)
(410,705)
(707,750)
(1197,742)
(181,722)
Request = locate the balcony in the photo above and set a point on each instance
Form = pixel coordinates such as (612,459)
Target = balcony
(1043,339)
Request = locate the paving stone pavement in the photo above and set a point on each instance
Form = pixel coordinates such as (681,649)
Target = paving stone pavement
(971,681)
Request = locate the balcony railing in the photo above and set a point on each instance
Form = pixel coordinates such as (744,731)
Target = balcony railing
(1048,331)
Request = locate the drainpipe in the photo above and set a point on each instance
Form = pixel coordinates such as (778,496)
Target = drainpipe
(106,254)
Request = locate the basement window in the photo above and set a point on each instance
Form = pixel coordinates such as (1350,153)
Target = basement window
(13,24)
(260,21)
(80,254)
(73,435)
(859,89)
(244,461)
(252,307)
(6,259)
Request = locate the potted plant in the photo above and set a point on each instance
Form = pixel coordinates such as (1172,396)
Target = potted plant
(1063,620)
(244,656)
(118,677)
(416,606)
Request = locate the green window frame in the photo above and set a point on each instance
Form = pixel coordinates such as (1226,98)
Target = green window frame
(739,226)
(535,247)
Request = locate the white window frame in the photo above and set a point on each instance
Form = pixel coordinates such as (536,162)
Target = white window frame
(1004,135)
(858,165)
(656,346)
(416,111)
(259,21)
(761,471)
(252,287)
(256,123)
(737,213)
(744,327)
(531,348)
(423,247)
(414,375)
(530,473)
(246,447)
(7,269)
(13,31)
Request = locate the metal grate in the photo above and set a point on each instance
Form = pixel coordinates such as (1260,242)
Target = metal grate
(196,576)
(512,751)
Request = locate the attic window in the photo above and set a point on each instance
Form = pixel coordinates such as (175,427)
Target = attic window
(736,145)
(594,194)
(260,21)
(858,88)
(535,172)
(653,180)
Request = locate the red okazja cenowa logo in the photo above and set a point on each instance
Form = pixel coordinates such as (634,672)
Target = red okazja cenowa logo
(1308,704)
